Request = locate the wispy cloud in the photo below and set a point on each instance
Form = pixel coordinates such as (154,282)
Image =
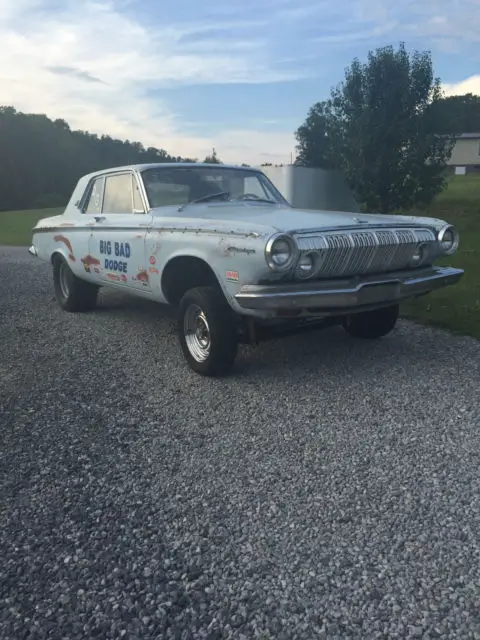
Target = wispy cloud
(357,35)
(74,73)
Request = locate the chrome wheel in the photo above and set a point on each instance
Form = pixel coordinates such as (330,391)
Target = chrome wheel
(197,333)
(64,280)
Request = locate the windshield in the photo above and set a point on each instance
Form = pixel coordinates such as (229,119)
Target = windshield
(166,186)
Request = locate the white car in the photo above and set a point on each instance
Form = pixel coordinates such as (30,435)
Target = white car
(240,264)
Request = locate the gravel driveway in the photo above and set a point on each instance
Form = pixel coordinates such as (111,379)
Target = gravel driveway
(330,488)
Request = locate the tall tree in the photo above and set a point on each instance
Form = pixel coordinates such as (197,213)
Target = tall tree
(380,128)
(313,149)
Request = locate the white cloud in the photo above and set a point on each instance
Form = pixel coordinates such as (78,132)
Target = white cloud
(94,66)
(256,145)
(469,85)
(97,63)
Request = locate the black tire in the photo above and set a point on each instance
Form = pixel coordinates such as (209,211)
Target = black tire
(372,324)
(215,341)
(72,293)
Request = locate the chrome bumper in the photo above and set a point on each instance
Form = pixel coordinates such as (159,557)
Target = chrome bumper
(342,295)
(32,250)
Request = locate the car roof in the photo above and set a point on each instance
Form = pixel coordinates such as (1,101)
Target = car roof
(166,165)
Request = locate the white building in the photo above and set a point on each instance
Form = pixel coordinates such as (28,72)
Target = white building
(310,188)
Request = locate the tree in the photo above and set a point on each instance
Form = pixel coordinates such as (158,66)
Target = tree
(41,159)
(313,143)
(380,128)
(212,159)
(459,114)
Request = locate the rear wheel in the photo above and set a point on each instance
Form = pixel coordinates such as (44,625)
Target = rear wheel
(72,293)
(372,324)
(207,331)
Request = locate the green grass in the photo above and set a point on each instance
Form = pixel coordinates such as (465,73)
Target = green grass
(456,307)
(16,226)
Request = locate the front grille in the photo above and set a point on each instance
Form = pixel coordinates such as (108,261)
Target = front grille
(350,253)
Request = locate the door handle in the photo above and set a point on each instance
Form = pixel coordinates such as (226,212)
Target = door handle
(99,218)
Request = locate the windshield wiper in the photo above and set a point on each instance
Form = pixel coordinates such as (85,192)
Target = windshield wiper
(257,200)
(210,196)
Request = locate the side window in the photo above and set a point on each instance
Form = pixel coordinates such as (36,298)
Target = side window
(118,194)
(94,204)
(137,198)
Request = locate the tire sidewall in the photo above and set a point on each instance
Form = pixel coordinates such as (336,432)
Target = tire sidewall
(81,296)
(221,323)
(59,263)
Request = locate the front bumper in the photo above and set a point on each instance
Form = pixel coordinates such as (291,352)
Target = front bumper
(346,295)
(32,250)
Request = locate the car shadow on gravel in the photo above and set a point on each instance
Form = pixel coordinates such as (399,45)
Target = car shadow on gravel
(324,350)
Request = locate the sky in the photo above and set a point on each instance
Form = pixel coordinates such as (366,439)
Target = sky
(236,75)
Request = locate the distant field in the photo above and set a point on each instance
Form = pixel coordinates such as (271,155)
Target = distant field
(456,308)
(16,226)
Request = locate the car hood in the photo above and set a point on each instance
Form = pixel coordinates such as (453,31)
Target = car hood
(265,218)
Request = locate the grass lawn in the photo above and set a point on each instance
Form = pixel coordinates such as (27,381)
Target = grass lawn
(16,226)
(456,308)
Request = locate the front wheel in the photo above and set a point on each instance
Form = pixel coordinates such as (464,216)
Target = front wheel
(207,331)
(372,324)
(72,293)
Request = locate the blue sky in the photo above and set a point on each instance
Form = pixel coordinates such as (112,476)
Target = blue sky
(187,75)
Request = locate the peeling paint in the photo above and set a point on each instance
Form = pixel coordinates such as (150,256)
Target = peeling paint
(209,230)
(142,276)
(240,250)
(90,261)
(67,243)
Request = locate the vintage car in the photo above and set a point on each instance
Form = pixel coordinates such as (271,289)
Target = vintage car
(223,246)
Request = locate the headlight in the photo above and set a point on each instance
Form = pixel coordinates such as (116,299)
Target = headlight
(305,266)
(280,251)
(448,239)
(417,258)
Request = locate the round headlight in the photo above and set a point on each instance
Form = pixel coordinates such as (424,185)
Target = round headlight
(279,252)
(448,239)
(305,265)
(418,256)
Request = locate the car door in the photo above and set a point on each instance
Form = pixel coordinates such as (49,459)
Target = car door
(118,232)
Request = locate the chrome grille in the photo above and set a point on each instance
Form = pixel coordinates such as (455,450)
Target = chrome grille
(352,252)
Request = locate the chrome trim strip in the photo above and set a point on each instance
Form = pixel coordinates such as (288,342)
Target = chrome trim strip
(347,294)
(146,227)
(371,227)
(89,227)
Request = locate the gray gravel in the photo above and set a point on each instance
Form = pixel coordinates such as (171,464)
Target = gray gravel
(330,488)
